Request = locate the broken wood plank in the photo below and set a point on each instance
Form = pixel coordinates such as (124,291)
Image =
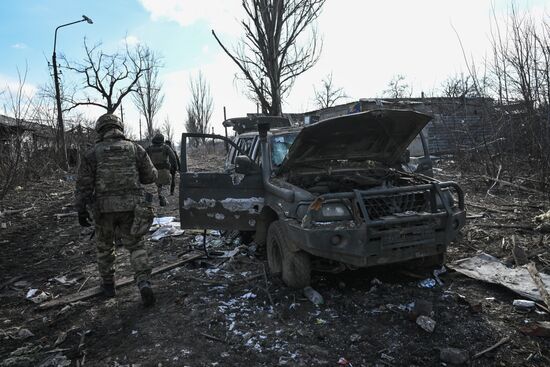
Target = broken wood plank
(532,268)
(516,186)
(94,291)
(511,226)
(486,208)
(63,215)
(498,344)
(15,211)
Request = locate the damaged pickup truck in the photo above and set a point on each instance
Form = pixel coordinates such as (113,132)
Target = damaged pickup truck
(338,194)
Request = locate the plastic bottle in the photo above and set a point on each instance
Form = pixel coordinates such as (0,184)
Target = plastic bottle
(314,296)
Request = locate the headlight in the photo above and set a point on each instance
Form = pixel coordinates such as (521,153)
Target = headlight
(335,210)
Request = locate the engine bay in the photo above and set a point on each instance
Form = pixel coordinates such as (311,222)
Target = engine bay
(348,179)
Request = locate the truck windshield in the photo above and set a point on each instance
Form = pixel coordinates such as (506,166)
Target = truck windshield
(279,147)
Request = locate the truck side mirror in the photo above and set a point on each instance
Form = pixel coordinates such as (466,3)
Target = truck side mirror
(244,165)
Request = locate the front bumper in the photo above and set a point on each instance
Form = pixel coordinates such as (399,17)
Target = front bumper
(385,240)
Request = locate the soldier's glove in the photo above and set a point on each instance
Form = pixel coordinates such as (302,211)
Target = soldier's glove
(84,218)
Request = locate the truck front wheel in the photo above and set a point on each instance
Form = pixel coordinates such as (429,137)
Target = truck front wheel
(294,266)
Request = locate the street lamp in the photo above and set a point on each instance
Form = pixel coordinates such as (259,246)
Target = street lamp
(60,125)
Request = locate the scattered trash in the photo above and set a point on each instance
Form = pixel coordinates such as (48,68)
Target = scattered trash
(314,296)
(454,355)
(437,273)
(171,229)
(489,269)
(37,296)
(344,362)
(320,321)
(540,328)
(161,221)
(523,305)
(427,283)
(64,281)
(426,323)
(249,295)
(354,338)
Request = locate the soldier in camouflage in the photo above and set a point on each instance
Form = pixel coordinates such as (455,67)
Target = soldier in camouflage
(164,159)
(109,182)
(173,169)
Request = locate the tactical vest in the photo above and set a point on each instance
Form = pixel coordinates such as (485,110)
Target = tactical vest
(117,187)
(159,156)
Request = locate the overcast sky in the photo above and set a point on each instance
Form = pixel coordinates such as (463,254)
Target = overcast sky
(365,44)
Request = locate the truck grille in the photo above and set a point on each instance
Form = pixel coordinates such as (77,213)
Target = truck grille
(378,207)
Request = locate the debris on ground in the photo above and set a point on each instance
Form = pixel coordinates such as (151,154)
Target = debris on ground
(368,316)
(489,269)
(313,296)
(426,323)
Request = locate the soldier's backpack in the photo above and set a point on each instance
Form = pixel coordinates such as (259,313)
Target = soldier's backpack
(160,158)
(117,187)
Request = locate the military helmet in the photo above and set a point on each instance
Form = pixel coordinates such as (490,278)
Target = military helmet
(108,120)
(158,138)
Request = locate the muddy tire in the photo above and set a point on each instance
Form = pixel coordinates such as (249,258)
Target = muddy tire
(294,266)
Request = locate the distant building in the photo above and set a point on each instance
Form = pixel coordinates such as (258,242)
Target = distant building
(458,123)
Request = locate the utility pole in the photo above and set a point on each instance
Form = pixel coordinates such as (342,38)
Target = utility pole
(60,124)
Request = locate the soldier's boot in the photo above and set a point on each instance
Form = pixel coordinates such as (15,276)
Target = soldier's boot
(162,200)
(147,295)
(108,288)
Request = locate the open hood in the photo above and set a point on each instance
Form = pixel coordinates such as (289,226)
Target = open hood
(380,135)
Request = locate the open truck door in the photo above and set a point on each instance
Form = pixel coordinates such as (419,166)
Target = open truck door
(220,200)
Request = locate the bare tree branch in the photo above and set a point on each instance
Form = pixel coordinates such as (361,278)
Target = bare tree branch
(273,52)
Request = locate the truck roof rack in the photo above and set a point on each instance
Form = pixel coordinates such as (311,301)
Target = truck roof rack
(250,123)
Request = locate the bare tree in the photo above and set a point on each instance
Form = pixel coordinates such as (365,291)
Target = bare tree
(15,154)
(398,88)
(200,108)
(148,97)
(328,94)
(110,77)
(458,86)
(167,130)
(272,52)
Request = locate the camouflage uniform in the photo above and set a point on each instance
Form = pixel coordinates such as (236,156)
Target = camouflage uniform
(173,169)
(165,161)
(109,180)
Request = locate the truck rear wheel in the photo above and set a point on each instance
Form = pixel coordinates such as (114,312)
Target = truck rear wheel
(294,266)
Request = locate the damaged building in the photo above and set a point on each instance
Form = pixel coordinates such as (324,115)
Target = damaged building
(457,124)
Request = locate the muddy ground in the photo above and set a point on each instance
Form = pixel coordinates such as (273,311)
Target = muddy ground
(229,312)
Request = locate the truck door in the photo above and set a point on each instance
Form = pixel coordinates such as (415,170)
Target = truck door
(219,200)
